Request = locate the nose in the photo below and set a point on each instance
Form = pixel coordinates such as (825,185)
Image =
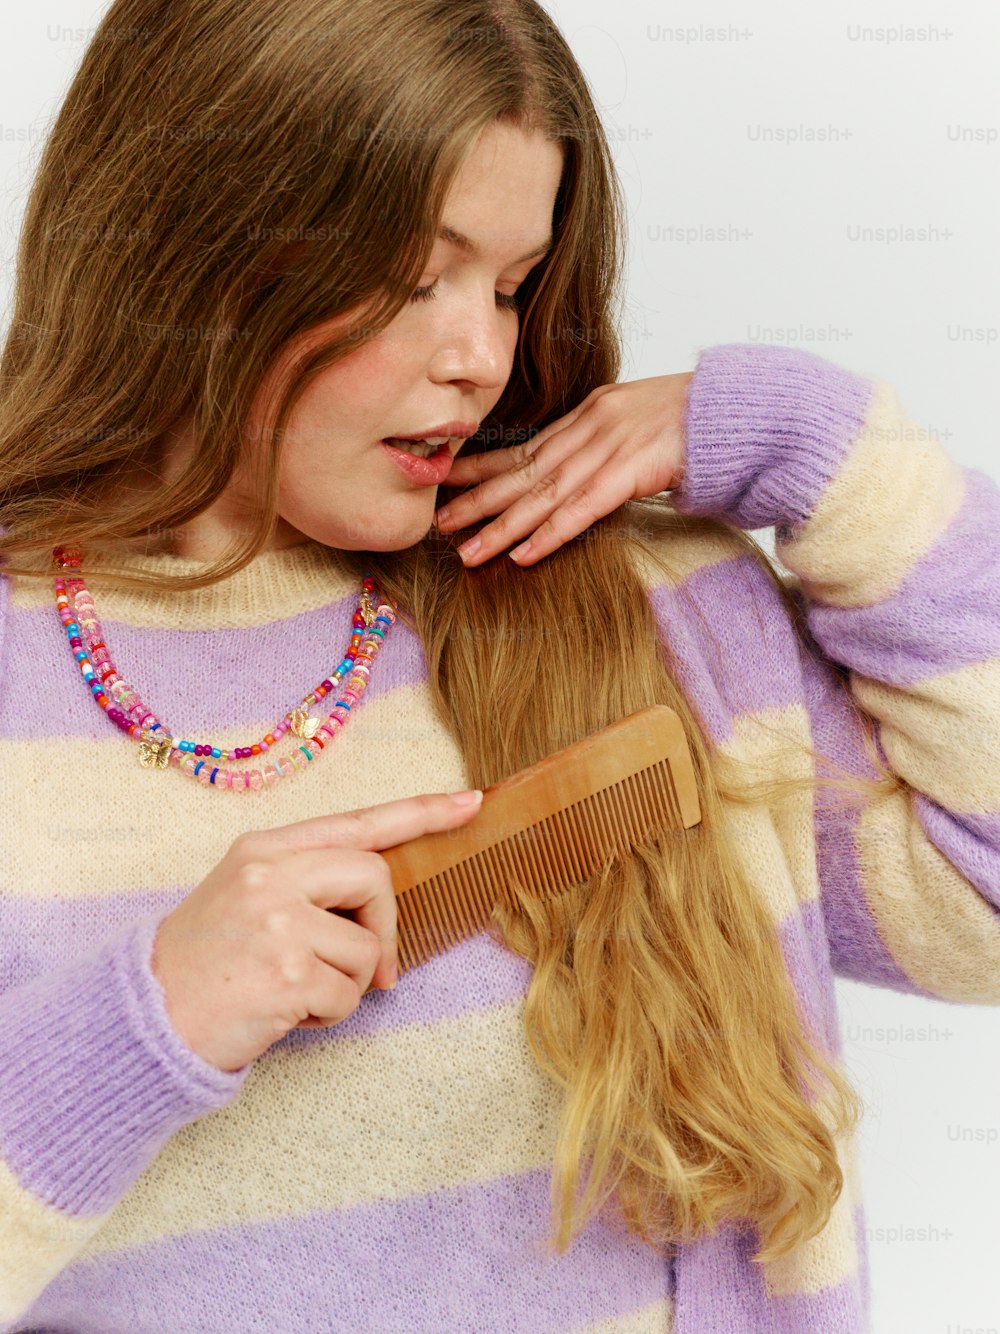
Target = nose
(474,340)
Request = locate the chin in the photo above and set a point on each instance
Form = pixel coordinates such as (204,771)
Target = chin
(384,538)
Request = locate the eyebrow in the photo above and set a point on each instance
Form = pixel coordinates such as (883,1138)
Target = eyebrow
(471,248)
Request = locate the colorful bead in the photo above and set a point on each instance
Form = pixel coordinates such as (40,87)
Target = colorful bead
(125,708)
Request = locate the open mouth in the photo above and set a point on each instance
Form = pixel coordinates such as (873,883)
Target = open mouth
(420,449)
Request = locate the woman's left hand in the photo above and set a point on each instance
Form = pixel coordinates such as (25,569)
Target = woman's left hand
(623,442)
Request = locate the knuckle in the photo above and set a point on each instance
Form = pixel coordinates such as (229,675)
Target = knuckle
(523,454)
(293,968)
(360,825)
(383,877)
(547,487)
(277,921)
(373,946)
(253,875)
(578,501)
(247,844)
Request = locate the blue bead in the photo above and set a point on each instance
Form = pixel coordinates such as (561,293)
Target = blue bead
(214,772)
(197,767)
(216,754)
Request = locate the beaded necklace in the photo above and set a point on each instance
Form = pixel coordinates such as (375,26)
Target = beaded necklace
(127,711)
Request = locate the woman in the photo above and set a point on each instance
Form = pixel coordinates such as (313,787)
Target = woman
(232,293)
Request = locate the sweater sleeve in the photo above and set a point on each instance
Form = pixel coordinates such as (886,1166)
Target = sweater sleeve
(95,1080)
(895,550)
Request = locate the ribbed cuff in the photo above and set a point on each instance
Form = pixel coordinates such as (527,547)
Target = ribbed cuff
(95,1077)
(767,427)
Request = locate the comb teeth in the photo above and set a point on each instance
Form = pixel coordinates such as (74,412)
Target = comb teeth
(548,828)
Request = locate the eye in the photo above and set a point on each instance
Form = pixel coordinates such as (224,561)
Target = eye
(504,301)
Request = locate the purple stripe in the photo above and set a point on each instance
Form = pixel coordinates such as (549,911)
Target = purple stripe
(473,975)
(720,1289)
(806,952)
(944,615)
(243,674)
(95,1078)
(745,658)
(766,428)
(856,947)
(970,842)
(457,1259)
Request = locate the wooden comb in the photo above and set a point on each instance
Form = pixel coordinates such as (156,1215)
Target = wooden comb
(547,827)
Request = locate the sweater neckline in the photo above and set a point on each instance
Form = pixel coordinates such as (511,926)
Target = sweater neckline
(275,585)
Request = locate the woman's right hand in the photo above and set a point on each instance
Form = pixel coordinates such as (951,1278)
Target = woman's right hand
(255,949)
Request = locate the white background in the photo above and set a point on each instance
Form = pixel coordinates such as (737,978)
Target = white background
(912,140)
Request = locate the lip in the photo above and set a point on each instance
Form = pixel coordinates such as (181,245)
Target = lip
(453,430)
(422,472)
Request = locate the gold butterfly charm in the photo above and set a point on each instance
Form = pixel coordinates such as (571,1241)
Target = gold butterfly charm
(303,725)
(154,754)
(367,610)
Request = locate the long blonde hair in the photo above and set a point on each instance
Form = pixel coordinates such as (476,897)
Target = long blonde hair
(188,190)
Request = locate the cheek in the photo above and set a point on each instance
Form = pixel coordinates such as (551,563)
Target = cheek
(359,394)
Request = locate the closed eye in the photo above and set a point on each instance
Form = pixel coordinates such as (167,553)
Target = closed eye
(504,301)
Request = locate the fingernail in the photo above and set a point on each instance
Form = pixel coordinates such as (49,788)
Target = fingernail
(519,552)
(443,514)
(469,798)
(469,549)
(395,979)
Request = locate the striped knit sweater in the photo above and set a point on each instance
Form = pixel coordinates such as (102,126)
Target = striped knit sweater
(392,1172)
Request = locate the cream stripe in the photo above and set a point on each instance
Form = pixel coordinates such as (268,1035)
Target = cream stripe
(38,1242)
(656,1318)
(863,539)
(278,584)
(59,853)
(826,1259)
(777,842)
(941,932)
(957,714)
(679,545)
(348,1122)
(434,1107)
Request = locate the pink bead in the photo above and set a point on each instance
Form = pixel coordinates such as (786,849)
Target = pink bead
(76,609)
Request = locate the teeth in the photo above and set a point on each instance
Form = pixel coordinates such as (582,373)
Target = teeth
(422,448)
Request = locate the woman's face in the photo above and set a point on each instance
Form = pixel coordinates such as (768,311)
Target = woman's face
(444,359)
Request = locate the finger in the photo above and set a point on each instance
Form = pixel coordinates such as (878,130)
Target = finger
(580,490)
(343,887)
(508,484)
(369,828)
(479,468)
(580,509)
(344,944)
(476,467)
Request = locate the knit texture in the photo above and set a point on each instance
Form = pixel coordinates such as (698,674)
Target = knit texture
(392,1172)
